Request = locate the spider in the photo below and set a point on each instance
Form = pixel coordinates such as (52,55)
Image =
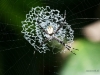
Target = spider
(51,34)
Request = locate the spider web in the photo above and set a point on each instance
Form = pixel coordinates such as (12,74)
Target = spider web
(43,17)
(17,56)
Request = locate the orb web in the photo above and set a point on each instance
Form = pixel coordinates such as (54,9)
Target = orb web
(36,23)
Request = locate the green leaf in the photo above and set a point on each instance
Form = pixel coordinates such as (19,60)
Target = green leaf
(86,62)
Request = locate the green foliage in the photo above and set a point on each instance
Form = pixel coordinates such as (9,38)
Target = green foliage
(86,62)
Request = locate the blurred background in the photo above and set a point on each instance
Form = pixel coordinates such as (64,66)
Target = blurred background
(18,57)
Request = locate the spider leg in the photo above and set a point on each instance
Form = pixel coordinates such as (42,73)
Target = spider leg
(70,47)
(61,42)
(65,16)
(42,28)
(76,49)
(44,42)
(61,25)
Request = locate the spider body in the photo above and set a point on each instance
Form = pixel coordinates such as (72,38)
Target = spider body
(50,29)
